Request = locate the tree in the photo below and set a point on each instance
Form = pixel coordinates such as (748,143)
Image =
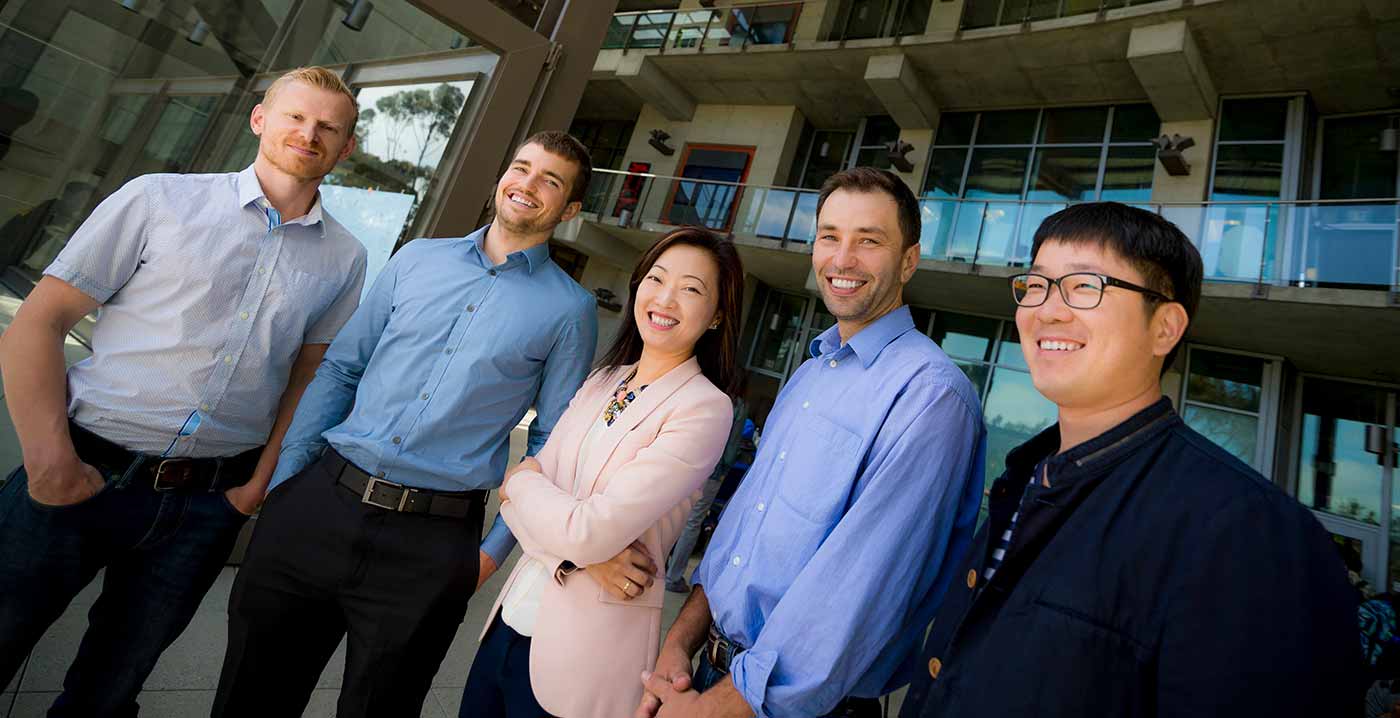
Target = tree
(421,117)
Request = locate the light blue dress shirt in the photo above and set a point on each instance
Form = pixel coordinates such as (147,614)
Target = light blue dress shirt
(441,361)
(833,555)
(206,297)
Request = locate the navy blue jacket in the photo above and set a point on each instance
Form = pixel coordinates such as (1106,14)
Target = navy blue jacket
(1157,575)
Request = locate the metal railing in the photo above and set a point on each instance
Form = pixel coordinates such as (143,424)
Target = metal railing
(866,19)
(1336,243)
(991,13)
(709,28)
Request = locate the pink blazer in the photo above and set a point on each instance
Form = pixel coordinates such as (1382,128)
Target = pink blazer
(640,481)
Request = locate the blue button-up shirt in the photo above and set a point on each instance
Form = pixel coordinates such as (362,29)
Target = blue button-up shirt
(832,557)
(443,358)
(207,296)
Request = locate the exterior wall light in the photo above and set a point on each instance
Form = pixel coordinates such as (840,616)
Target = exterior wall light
(356,13)
(899,155)
(607,300)
(198,32)
(658,141)
(1169,151)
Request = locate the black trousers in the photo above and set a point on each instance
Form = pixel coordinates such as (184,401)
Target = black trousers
(498,685)
(323,566)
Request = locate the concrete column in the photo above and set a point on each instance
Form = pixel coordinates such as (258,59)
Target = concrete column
(1192,187)
(943,17)
(655,87)
(1170,67)
(896,82)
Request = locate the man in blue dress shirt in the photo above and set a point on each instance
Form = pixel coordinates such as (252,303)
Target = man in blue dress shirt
(218,296)
(837,548)
(372,528)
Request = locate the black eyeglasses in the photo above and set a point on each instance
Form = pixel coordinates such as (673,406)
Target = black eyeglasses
(1080,290)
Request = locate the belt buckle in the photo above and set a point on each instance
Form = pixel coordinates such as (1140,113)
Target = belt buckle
(160,473)
(369,490)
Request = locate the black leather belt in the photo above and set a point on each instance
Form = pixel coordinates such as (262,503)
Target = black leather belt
(390,496)
(165,474)
(720,650)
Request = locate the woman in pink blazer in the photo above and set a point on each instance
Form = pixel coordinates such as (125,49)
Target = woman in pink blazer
(578,619)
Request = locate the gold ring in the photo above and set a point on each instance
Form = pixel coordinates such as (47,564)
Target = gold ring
(627,586)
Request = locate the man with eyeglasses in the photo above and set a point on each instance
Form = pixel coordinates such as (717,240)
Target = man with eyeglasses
(1129,566)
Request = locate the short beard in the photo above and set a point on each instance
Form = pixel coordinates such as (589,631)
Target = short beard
(543,225)
(294,171)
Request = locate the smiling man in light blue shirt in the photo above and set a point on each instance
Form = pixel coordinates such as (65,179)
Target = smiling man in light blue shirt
(837,548)
(372,528)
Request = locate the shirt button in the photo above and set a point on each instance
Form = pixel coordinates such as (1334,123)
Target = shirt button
(972,578)
(492,272)
(736,560)
(782,455)
(471,307)
(447,350)
(204,407)
(424,396)
(806,404)
(760,507)
(262,270)
(934,666)
(832,362)
(397,440)
(228,360)
(242,315)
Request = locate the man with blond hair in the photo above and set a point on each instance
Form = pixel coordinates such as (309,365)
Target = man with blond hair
(218,296)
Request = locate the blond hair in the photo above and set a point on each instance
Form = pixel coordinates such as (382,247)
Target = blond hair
(319,78)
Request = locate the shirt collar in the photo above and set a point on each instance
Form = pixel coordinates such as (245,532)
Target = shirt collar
(1104,449)
(535,257)
(250,191)
(868,342)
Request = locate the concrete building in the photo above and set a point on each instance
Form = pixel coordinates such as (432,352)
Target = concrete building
(1278,156)
(1279,161)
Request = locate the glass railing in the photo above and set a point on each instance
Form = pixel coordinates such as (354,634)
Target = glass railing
(866,19)
(736,26)
(990,13)
(1344,243)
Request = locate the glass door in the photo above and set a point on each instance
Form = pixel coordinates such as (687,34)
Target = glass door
(711,196)
(1345,470)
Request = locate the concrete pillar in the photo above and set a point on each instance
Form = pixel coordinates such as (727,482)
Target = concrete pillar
(896,82)
(943,17)
(1170,67)
(1191,187)
(655,87)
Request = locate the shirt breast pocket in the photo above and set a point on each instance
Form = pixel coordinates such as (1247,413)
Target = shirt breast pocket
(818,470)
(296,300)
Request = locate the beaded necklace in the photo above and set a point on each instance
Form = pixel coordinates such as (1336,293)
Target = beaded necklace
(621,398)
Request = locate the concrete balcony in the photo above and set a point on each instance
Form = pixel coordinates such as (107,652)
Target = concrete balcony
(1304,280)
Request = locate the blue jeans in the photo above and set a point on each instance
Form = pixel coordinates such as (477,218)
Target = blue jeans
(685,545)
(498,685)
(161,552)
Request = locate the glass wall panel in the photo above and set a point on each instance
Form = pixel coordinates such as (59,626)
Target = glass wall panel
(1135,123)
(964,336)
(1236,433)
(1127,174)
(778,333)
(1353,164)
(1254,120)
(955,128)
(1225,379)
(1068,173)
(1014,412)
(1335,472)
(945,172)
(1248,172)
(1073,125)
(1012,127)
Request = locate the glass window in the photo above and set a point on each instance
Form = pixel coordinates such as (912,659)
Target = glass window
(964,336)
(1236,433)
(996,173)
(1248,172)
(1013,127)
(1073,125)
(945,172)
(1353,165)
(955,128)
(1254,120)
(826,156)
(879,130)
(1127,173)
(778,333)
(1069,173)
(1014,412)
(1009,353)
(1135,123)
(1225,379)
(1335,472)
(877,157)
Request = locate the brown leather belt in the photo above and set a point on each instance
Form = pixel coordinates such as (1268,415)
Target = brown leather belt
(161,473)
(390,496)
(720,650)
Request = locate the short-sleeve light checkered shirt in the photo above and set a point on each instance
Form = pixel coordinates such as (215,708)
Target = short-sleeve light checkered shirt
(207,296)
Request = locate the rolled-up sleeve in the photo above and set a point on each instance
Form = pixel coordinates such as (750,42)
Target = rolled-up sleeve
(874,574)
(105,251)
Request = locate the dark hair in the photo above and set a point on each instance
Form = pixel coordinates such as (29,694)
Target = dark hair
(869,179)
(567,146)
(1155,247)
(718,349)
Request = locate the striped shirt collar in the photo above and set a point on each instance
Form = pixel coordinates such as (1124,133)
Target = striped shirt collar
(250,191)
